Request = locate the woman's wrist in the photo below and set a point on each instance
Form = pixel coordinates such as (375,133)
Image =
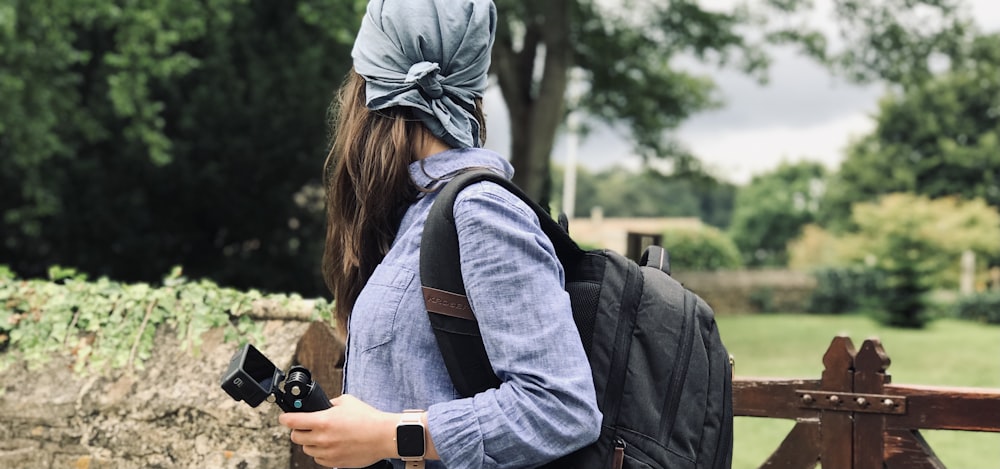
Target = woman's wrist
(387,424)
(386,435)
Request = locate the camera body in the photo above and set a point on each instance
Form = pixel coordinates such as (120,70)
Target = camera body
(252,378)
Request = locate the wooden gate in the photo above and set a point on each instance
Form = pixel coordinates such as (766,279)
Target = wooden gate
(853,418)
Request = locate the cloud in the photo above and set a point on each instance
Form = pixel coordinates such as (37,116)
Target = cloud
(799,91)
(739,154)
(803,113)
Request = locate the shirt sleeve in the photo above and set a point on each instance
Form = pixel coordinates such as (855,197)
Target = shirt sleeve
(545,406)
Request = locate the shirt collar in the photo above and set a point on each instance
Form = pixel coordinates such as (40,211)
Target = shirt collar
(443,166)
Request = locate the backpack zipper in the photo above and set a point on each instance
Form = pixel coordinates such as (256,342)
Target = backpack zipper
(686,343)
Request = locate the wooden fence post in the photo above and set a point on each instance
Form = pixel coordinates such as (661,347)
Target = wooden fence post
(836,426)
(855,418)
(869,378)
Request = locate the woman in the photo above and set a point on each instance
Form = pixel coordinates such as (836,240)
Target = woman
(409,118)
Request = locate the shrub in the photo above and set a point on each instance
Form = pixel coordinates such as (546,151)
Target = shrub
(762,299)
(815,248)
(843,289)
(702,248)
(914,242)
(982,307)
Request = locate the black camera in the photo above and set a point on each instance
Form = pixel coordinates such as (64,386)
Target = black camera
(252,378)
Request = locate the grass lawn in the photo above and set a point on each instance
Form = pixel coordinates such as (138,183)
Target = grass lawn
(947,353)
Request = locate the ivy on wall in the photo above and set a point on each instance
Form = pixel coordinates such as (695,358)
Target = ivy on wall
(107,325)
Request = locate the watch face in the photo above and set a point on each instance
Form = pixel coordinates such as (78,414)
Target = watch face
(410,441)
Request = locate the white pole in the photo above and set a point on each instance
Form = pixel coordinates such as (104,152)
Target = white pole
(967,280)
(572,142)
(569,181)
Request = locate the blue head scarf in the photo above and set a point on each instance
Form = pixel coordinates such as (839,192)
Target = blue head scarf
(430,55)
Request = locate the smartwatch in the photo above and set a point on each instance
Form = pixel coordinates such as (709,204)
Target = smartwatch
(410,439)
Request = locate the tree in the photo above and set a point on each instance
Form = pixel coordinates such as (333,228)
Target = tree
(620,192)
(53,53)
(139,135)
(623,193)
(914,243)
(628,54)
(772,210)
(625,62)
(938,138)
(714,198)
(911,243)
(144,135)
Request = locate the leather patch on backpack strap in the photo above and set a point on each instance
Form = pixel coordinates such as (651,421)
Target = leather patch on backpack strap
(447,303)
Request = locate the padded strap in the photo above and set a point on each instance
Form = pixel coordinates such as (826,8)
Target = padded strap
(451,316)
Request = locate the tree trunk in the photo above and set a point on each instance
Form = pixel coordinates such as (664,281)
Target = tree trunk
(536,108)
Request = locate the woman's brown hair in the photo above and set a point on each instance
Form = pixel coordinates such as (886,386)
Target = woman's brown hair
(368,188)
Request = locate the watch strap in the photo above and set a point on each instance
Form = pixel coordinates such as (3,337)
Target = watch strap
(414,417)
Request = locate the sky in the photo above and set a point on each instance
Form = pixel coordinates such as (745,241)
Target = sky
(802,113)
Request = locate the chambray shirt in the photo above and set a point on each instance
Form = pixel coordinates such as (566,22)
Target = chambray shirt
(546,404)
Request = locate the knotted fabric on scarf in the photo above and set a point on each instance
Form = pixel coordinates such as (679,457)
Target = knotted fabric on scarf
(431,55)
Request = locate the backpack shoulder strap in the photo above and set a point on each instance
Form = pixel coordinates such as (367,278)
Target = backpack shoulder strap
(451,317)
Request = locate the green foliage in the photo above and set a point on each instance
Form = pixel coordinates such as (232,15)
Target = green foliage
(981,307)
(938,138)
(704,248)
(628,51)
(645,61)
(108,325)
(626,54)
(75,72)
(139,135)
(623,193)
(844,289)
(912,241)
(817,248)
(762,300)
(893,41)
(715,198)
(911,244)
(772,210)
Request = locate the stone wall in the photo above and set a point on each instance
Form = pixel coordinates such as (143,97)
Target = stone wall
(172,414)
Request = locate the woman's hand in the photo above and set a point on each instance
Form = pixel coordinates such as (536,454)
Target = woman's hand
(349,434)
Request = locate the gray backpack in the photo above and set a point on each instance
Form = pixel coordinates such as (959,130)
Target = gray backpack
(662,374)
